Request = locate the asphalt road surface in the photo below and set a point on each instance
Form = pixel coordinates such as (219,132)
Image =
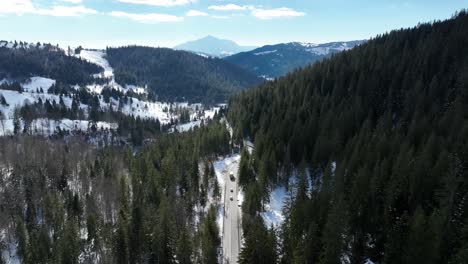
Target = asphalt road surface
(231,219)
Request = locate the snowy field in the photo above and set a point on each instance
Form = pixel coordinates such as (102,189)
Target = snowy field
(36,83)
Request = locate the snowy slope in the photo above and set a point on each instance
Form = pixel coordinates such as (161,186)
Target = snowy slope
(16,99)
(47,127)
(36,88)
(97,57)
(143,109)
(36,83)
(198,119)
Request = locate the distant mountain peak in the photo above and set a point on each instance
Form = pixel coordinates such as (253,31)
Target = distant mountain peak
(212,37)
(213,46)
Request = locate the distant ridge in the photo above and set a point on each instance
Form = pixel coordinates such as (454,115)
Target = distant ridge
(213,46)
(273,61)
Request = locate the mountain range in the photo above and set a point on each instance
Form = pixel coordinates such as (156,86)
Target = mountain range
(273,61)
(166,74)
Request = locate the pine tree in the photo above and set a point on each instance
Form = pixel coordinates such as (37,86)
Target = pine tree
(16,121)
(210,240)
(419,246)
(184,247)
(23,242)
(334,234)
(122,246)
(163,236)
(70,244)
(260,244)
(245,174)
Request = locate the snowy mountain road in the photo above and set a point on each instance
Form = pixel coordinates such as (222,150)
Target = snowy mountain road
(231,217)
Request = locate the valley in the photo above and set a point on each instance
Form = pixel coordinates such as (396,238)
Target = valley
(215,152)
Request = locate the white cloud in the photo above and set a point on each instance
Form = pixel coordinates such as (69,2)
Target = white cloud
(276,13)
(221,17)
(259,12)
(73,1)
(195,13)
(16,7)
(159,2)
(151,18)
(66,11)
(21,7)
(229,7)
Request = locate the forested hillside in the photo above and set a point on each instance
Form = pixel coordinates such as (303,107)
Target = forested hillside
(22,61)
(70,202)
(379,135)
(178,75)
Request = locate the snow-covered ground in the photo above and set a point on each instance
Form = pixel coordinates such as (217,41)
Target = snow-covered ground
(97,57)
(326,48)
(47,127)
(36,83)
(273,214)
(196,117)
(9,253)
(36,88)
(273,210)
(145,109)
(188,126)
(16,99)
(265,52)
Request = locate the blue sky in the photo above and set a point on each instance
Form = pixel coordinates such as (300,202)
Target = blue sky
(98,23)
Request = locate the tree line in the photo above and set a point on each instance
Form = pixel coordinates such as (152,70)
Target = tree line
(48,61)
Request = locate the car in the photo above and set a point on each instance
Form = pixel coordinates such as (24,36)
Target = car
(232,190)
(231,176)
(232,199)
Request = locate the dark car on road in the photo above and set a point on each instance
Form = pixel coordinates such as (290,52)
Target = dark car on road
(231,176)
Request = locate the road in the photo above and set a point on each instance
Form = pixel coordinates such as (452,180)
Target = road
(231,218)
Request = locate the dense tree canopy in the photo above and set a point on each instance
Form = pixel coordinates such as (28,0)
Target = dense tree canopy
(383,131)
(178,75)
(62,201)
(47,61)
